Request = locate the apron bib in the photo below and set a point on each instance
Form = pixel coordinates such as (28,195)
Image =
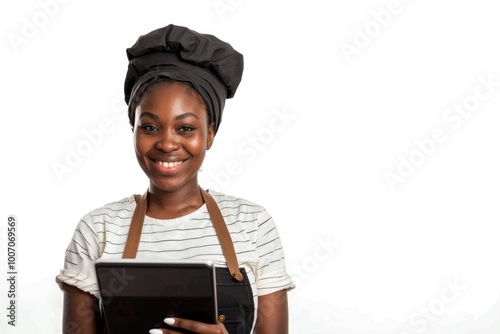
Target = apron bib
(236,309)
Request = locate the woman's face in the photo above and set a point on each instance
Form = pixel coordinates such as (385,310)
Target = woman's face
(171,136)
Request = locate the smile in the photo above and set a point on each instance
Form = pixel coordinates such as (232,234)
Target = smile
(168,164)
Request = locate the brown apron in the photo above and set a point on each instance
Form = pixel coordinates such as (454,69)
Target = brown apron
(234,294)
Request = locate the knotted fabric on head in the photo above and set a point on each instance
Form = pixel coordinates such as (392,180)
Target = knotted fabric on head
(211,66)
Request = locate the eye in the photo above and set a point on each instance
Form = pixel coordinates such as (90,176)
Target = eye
(186,128)
(149,128)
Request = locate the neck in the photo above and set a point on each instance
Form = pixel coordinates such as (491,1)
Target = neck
(173,203)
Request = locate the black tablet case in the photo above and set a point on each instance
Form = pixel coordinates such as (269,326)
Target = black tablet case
(138,295)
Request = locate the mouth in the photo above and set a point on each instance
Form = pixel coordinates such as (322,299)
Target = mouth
(168,167)
(168,164)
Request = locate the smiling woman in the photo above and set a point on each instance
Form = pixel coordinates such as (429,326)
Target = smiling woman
(171,136)
(176,86)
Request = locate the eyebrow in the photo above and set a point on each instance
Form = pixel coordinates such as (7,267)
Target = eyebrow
(186,115)
(149,114)
(156,117)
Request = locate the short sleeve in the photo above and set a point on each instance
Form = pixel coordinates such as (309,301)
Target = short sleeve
(82,252)
(271,273)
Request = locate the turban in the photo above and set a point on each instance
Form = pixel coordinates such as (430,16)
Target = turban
(212,67)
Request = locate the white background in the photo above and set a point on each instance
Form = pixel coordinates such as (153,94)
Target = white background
(366,257)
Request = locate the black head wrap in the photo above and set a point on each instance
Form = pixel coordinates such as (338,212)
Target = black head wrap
(212,67)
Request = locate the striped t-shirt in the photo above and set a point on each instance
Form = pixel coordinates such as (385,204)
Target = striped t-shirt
(102,233)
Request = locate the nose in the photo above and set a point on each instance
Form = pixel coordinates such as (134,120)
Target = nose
(168,142)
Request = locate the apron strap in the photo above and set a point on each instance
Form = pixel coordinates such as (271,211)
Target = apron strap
(225,240)
(220,227)
(134,234)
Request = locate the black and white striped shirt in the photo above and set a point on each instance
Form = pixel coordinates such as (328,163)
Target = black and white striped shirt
(102,233)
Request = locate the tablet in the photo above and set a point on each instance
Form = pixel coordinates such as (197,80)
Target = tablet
(136,295)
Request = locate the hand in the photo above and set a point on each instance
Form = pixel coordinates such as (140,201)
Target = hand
(191,325)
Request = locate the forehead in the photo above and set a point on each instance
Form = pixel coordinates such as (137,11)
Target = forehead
(171,97)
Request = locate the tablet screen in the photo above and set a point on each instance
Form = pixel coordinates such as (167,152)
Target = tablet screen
(138,295)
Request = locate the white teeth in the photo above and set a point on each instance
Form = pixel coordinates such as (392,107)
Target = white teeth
(169,164)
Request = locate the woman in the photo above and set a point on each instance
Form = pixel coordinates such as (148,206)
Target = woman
(176,86)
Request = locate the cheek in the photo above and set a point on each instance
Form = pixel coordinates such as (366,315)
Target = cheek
(198,145)
(136,143)
(140,145)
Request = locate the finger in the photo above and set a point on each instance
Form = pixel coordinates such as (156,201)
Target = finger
(162,331)
(196,326)
(169,321)
(156,331)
